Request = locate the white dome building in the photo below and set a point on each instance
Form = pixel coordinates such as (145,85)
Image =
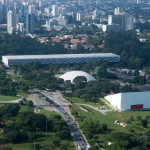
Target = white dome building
(73,74)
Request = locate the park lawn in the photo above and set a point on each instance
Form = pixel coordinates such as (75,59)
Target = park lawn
(95,115)
(25,108)
(22,146)
(48,114)
(8,98)
(79,100)
(109,119)
(16,77)
(111,116)
(22,93)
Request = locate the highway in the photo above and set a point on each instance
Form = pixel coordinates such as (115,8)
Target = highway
(62,107)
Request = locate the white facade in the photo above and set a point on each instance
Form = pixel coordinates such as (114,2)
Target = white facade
(11,21)
(31,9)
(113,27)
(55,11)
(20,27)
(118,11)
(73,74)
(78,16)
(128,23)
(130,101)
(95,14)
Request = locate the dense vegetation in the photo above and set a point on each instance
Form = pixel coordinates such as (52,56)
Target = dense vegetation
(16,45)
(134,54)
(26,126)
(7,86)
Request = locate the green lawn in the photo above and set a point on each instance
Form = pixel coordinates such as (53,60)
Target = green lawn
(17,77)
(22,93)
(111,116)
(26,109)
(79,100)
(48,114)
(8,98)
(109,119)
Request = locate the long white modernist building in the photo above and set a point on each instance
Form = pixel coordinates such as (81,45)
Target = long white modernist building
(59,58)
(130,101)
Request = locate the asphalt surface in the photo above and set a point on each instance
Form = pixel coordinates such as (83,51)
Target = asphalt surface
(61,106)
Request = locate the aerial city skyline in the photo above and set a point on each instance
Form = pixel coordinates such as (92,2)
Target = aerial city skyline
(23,16)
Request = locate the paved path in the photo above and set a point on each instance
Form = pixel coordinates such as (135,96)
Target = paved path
(10,102)
(95,108)
(108,104)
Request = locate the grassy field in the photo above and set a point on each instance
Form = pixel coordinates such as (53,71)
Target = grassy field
(109,119)
(48,114)
(24,94)
(8,98)
(79,100)
(26,109)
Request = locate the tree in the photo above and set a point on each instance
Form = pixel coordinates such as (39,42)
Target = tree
(56,142)
(140,80)
(79,79)
(144,123)
(65,134)
(13,136)
(30,103)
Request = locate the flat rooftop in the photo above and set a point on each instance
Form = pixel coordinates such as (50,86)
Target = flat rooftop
(60,56)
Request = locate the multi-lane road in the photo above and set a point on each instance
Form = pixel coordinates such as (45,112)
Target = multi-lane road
(61,106)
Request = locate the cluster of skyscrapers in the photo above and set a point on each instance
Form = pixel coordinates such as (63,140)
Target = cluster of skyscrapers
(18,15)
(119,21)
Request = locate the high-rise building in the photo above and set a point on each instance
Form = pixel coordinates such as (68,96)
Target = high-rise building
(1,12)
(4,9)
(95,15)
(118,11)
(24,9)
(10,8)
(125,21)
(80,2)
(30,23)
(55,10)
(20,28)
(78,16)
(63,11)
(128,22)
(11,22)
(31,9)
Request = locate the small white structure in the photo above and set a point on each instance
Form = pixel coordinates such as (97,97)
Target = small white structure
(130,101)
(73,74)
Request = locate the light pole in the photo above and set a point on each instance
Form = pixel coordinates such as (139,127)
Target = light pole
(144,137)
(46,125)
